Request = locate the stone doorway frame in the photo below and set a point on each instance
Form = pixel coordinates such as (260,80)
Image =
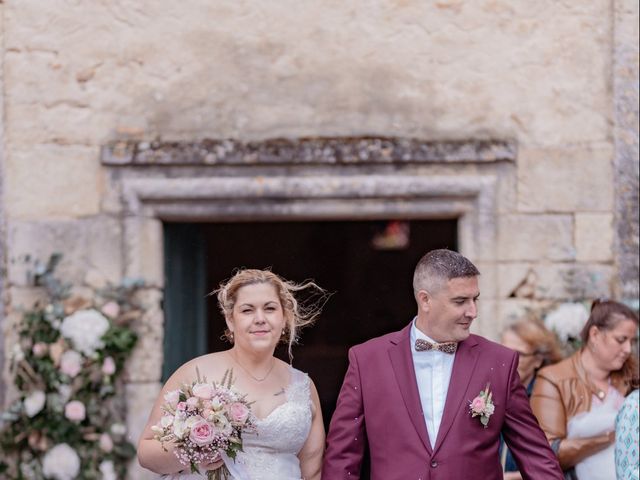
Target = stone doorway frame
(178,187)
(363,178)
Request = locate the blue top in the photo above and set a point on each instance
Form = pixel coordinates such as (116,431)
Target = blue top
(627,433)
(510,463)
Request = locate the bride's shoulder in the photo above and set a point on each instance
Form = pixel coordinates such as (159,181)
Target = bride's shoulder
(209,367)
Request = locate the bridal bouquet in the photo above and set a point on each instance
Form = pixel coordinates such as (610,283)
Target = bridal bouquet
(205,422)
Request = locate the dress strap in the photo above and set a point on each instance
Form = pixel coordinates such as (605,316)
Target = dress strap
(300,388)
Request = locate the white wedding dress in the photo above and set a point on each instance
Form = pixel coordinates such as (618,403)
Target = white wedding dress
(599,420)
(271,452)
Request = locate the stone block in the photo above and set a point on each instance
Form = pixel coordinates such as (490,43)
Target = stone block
(144,250)
(24,298)
(145,363)
(535,237)
(140,399)
(486,324)
(507,185)
(516,280)
(572,179)
(488,280)
(513,309)
(52,181)
(594,237)
(574,282)
(87,244)
(526,282)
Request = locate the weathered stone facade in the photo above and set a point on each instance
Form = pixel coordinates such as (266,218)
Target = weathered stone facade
(519,118)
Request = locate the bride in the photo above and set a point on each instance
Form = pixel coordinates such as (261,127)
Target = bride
(260,310)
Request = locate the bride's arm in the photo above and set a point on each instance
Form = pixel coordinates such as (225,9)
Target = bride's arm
(311,454)
(151,455)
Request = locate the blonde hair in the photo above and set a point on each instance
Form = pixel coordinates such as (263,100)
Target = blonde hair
(296,314)
(544,343)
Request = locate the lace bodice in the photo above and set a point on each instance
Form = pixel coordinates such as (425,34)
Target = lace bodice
(271,452)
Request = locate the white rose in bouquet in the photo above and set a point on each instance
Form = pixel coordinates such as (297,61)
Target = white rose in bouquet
(34,403)
(85,329)
(61,463)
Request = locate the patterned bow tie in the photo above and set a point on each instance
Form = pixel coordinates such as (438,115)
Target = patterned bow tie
(446,347)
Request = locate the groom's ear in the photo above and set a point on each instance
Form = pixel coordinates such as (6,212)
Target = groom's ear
(424,300)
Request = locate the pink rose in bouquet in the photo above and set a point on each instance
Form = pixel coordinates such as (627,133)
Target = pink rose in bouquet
(205,391)
(172,398)
(203,421)
(239,413)
(202,433)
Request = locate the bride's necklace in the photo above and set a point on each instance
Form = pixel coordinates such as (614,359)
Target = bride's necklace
(257,379)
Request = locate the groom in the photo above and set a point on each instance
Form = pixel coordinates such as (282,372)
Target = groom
(432,399)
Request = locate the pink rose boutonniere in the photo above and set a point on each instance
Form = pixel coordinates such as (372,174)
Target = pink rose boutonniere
(482,406)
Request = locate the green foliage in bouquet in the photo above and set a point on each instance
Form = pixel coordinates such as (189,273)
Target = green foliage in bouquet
(68,420)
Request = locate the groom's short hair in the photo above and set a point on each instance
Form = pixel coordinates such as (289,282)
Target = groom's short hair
(439,266)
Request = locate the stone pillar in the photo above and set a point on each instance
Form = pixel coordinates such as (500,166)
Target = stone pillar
(625,97)
(3,244)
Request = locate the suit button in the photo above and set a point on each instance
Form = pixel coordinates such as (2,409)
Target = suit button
(434,464)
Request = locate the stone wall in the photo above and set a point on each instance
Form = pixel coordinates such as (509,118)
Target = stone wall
(3,247)
(626,165)
(556,79)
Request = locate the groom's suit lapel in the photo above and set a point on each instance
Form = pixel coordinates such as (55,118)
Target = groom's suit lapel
(402,363)
(463,367)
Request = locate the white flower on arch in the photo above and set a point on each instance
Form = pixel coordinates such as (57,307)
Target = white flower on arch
(85,329)
(61,463)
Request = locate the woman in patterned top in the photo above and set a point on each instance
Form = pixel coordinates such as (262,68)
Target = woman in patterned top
(627,441)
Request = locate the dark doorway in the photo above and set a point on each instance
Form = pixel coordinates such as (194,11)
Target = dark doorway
(367,265)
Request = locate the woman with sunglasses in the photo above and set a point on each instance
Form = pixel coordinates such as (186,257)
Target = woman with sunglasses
(536,347)
(576,400)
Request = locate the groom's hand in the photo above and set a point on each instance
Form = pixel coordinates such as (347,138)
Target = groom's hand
(512,476)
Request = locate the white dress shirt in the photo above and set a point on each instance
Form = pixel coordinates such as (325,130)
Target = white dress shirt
(433,373)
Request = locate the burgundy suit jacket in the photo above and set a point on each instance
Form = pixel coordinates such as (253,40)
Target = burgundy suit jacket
(379,403)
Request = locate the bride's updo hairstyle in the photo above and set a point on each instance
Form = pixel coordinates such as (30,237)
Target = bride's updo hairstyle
(297,313)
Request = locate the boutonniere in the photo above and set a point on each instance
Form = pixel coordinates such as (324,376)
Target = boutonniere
(482,406)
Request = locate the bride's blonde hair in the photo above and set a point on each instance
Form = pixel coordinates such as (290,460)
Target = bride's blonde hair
(297,314)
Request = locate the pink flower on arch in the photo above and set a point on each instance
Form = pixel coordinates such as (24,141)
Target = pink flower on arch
(75,411)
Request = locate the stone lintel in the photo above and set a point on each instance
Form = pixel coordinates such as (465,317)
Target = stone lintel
(305,151)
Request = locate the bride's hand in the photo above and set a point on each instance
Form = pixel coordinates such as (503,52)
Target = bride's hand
(213,465)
